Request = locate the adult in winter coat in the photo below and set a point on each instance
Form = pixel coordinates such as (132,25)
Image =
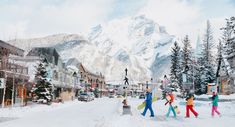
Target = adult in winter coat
(189,106)
(165,82)
(148,105)
(215,99)
(170,100)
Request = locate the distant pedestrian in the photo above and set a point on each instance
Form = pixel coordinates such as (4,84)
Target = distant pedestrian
(148,105)
(189,105)
(214,109)
(165,82)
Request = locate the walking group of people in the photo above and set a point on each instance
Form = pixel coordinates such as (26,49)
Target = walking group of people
(189,104)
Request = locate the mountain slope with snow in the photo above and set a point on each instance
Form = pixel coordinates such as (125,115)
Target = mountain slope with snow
(136,43)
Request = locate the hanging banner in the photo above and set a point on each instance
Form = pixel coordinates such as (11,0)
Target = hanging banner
(2,83)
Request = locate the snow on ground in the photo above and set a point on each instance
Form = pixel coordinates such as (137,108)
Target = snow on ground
(106,112)
(232,96)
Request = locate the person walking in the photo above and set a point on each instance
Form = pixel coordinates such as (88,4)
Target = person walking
(214,102)
(170,100)
(189,106)
(148,105)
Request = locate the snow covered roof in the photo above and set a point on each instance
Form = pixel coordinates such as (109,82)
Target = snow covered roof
(13,50)
(228,67)
(49,53)
(212,84)
(73,68)
(72,61)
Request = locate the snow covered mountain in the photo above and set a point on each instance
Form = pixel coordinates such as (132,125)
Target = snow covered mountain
(136,43)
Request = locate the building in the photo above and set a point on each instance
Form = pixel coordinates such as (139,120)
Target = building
(15,76)
(62,78)
(226,74)
(88,80)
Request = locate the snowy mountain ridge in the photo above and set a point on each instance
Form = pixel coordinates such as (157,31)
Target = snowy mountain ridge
(136,43)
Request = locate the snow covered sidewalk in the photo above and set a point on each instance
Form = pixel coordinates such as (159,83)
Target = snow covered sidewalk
(222,98)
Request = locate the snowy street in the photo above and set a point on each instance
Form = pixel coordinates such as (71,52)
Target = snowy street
(106,112)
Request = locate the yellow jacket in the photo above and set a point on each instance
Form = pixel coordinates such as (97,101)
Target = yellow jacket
(190,101)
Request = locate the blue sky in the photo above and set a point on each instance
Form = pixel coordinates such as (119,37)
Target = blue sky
(35,18)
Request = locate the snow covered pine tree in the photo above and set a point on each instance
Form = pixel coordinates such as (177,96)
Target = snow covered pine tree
(229,36)
(186,63)
(175,65)
(206,61)
(43,88)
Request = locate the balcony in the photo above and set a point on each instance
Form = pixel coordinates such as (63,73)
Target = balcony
(15,68)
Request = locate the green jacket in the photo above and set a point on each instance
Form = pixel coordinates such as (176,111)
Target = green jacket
(215,100)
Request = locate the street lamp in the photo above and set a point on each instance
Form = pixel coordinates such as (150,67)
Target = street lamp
(147,85)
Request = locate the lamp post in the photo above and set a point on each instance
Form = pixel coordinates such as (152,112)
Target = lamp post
(151,80)
(147,86)
(4,90)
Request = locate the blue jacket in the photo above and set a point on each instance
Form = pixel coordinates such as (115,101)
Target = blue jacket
(148,99)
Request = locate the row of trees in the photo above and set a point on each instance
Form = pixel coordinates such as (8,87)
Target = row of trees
(203,68)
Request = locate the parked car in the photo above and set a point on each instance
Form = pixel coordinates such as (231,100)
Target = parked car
(92,95)
(142,96)
(85,97)
(133,95)
(111,96)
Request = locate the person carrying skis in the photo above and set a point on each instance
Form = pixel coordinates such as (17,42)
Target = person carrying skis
(214,102)
(189,106)
(170,100)
(148,105)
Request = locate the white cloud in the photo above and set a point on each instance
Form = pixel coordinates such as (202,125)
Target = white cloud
(33,18)
(40,18)
(177,16)
(189,17)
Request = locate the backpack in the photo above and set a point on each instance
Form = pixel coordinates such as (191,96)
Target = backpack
(172,97)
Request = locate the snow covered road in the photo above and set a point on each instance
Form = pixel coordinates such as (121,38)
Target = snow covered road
(80,114)
(106,112)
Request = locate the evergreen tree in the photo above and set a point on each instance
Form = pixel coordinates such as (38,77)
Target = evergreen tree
(186,64)
(208,44)
(175,65)
(219,58)
(207,61)
(229,36)
(43,88)
(197,81)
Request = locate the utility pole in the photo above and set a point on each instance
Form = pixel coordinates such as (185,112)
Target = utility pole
(147,86)
(126,82)
(4,90)
(13,92)
(22,94)
(13,88)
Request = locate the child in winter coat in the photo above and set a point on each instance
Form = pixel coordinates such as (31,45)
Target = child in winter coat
(124,102)
(215,99)
(189,106)
(170,100)
(148,105)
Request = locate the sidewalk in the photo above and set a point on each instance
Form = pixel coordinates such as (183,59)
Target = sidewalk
(222,98)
